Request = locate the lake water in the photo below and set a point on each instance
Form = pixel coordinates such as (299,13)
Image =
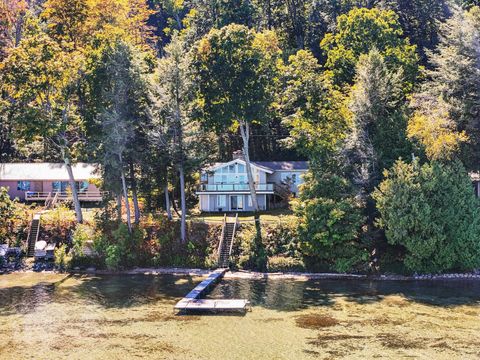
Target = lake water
(53,316)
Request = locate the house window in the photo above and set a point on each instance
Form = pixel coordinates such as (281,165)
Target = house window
(221,201)
(59,186)
(294,178)
(250,203)
(23,185)
(82,186)
(241,168)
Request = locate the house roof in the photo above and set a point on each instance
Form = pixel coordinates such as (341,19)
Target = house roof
(283,165)
(217,165)
(267,166)
(46,171)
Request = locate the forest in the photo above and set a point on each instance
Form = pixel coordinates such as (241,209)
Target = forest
(382,97)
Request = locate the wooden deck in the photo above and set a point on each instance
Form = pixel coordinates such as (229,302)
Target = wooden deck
(192,301)
(93,196)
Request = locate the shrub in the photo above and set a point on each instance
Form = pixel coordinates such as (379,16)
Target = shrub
(431,211)
(81,235)
(62,259)
(113,257)
(8,215)
(329,222)
(285,264)
(281,238)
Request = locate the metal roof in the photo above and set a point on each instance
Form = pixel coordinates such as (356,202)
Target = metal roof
(46,171)
(268,166)
(283,165)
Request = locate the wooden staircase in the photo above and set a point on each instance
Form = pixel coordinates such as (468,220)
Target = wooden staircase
(226,241)
(51,201)
(33,234)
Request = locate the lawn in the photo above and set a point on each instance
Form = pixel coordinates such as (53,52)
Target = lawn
(266,216)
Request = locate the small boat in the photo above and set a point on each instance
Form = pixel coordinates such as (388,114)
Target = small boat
(40,249)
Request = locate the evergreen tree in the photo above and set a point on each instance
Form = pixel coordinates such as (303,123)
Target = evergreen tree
(179,137)
(449,101)
(123,107)
(432,213)
(379,122)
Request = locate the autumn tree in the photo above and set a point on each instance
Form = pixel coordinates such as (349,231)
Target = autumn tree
(43,79)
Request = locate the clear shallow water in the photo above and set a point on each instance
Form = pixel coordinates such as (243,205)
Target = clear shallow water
(48,316)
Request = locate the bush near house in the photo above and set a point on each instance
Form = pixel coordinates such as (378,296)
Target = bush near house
(431,212)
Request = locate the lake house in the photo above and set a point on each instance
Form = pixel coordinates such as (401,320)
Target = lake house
(41,181)
(224,186)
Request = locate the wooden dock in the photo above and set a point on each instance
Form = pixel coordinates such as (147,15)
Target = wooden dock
(192,301)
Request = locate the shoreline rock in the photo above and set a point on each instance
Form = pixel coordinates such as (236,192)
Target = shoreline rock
(252,275)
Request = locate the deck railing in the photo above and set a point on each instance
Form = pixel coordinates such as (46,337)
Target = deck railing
(234,187)
(61,196)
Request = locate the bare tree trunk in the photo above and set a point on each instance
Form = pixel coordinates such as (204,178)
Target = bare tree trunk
(245,131)
(183,205)
(119,207)
(134,195)
(174,206)
(167,203)
(125,194)
(73,188)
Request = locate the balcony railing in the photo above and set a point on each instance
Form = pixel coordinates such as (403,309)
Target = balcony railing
(234,187)
(82,195)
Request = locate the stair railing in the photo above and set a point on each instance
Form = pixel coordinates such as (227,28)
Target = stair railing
(38,229)
(233,236)
(221,237)
(29,232)
(48,201)
(55,199)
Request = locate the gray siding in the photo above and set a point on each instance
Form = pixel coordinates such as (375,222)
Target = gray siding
(276,178)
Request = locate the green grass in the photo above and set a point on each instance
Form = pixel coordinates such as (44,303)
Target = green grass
(265,216)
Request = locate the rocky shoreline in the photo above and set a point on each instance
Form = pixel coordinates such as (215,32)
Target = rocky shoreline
(241,274)
(252,275)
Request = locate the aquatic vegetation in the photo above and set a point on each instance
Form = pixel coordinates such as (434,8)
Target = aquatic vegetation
(315,321)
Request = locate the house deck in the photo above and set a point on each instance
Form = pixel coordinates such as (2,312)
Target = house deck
(94,196)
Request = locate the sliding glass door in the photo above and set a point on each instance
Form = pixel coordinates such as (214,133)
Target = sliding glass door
(236,202)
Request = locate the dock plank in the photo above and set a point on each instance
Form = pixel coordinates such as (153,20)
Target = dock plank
(192,300)
(213,305)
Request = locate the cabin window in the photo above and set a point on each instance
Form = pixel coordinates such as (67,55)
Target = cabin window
(59,186)
(82,186)
(241,168)
(23,185)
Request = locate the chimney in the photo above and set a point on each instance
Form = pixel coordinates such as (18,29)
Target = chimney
(238,154)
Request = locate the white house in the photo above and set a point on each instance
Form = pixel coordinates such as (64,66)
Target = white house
(225,187)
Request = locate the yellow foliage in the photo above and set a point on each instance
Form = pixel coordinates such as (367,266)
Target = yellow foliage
(437,133)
